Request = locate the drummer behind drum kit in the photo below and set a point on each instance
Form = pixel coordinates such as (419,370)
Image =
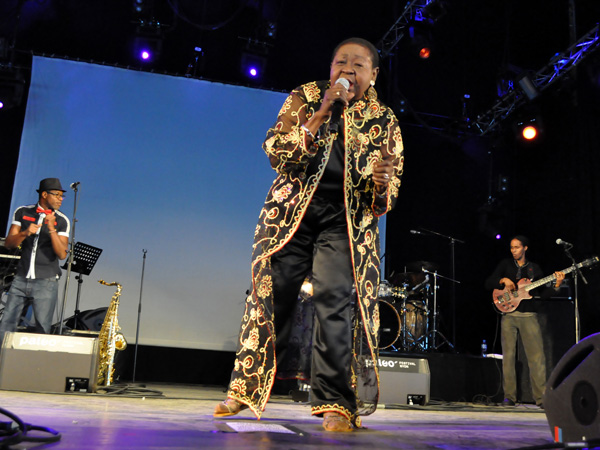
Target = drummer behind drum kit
(404,309)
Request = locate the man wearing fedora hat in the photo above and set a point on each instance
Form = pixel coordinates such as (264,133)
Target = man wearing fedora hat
(42,231)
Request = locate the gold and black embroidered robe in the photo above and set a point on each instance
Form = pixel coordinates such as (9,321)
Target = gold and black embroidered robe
(370,133)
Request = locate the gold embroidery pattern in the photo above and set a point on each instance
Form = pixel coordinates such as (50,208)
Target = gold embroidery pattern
(322,409)
(372,133)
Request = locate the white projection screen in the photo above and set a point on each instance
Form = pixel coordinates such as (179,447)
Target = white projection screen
(167,164)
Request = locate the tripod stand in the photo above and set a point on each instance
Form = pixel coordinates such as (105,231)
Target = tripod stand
(434,332)
(84,260)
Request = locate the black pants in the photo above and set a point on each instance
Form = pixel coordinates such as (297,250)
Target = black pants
(320,245)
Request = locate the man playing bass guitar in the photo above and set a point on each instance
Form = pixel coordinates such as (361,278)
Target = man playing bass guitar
(523,321)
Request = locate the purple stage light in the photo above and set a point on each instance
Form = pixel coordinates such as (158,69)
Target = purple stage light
(253,66)
(498,237)
(145,55)
(1,105)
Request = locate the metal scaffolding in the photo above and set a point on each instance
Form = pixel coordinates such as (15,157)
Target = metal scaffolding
(556,69)
(412,11)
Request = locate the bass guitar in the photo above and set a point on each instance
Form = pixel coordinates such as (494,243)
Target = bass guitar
(507,301)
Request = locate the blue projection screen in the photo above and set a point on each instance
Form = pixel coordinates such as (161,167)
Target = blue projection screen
(167,164)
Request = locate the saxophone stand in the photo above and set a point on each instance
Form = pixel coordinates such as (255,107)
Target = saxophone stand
(83,260)
(576,273)
(434,331)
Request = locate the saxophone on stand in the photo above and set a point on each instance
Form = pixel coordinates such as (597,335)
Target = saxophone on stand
(110,338)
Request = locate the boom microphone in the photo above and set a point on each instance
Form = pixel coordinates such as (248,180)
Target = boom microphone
(74,185)
(416,232)
(338,106)
(559,241)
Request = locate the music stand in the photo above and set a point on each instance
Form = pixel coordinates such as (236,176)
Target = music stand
(84,259)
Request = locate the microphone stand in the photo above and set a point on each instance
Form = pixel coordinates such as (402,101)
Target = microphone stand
(453,241)
(137,331)
(75,188)
(576,274)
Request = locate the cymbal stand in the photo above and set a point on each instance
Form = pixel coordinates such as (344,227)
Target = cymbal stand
(453,242)
(434,332)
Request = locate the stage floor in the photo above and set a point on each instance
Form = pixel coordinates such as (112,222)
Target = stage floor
(167,416)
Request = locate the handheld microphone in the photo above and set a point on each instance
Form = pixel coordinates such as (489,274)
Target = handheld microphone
(40,221)
(338,106)
(559,241)
(74,185)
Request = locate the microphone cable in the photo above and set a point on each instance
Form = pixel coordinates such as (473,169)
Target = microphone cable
(15,431)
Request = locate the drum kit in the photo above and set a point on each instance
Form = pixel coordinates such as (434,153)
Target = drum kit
(408,309)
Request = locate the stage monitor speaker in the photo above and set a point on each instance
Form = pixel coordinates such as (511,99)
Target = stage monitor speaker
(403,381)
(572,393)
(48,363)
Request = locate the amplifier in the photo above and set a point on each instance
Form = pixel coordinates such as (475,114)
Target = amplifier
(403,381)
(48,363)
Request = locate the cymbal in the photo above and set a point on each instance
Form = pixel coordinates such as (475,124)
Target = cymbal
(417,266)
(410,278)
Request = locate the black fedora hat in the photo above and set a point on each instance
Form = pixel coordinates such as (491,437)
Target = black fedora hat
(50,184)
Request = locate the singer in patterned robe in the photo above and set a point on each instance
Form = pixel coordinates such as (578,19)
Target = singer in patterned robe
(321,217)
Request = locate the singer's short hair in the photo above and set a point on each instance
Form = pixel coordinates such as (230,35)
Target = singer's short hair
(523,239)
(364,43)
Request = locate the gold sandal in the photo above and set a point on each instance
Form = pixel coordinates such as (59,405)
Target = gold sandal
(229,407)
(333,421)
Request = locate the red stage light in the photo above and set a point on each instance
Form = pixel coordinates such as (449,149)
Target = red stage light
(425,53)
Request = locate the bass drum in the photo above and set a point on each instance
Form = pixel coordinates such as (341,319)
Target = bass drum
(389,325)
(414,320)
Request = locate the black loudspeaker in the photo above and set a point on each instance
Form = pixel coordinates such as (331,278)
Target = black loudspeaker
(48,363)
(572,397)
(403,381)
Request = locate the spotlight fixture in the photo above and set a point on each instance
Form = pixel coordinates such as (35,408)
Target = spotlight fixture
(12,87)
(253,63)
(148,40)
(434,11)
(528,86)
(420,40)
(529,128)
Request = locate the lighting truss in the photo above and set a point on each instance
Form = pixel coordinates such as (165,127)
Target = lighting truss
(558,66)
(412,11)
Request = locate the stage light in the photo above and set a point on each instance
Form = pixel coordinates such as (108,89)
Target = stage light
(420,40)
(529,132)
(147,47)
(12,87)
(253,66)
(425,52)
(434,11)
(528,86)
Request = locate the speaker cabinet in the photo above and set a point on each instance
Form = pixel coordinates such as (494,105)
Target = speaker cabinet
(48,363)
(572,393)
(403,381)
